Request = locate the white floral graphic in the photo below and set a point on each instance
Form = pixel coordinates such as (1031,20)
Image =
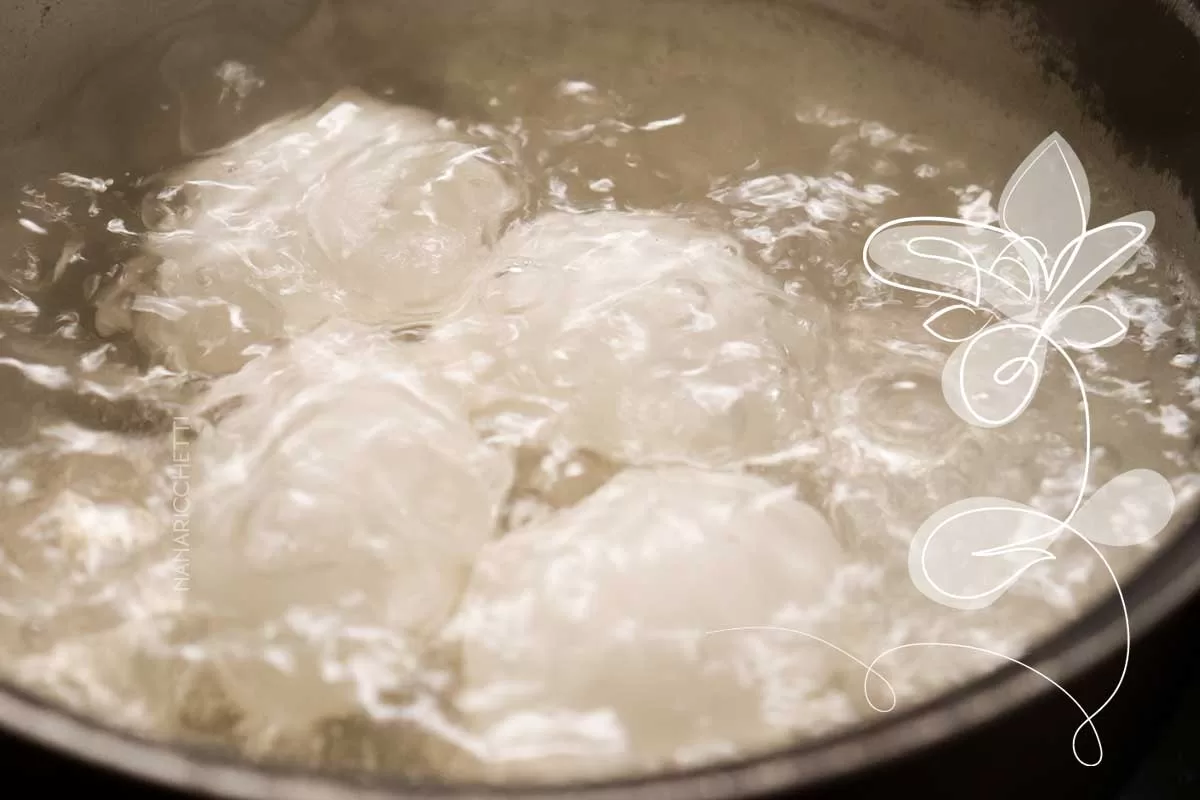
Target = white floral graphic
(1021,282)
(1021,288)
(1017,290)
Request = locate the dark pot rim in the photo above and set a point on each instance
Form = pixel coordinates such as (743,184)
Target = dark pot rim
(1158,591)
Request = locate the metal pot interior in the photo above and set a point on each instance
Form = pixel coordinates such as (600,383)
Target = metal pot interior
(1104,73)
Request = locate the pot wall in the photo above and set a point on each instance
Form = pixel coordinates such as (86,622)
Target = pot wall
(1137,64)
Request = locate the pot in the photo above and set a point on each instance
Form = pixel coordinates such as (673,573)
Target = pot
(1130,64)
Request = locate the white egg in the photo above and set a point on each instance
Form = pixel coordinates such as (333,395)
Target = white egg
(597,640)
(359,209)
(336,512)
(640,336)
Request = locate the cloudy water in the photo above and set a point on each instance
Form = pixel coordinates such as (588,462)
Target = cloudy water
(503,395)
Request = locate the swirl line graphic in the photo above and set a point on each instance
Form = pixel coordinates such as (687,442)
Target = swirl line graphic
(1028,279)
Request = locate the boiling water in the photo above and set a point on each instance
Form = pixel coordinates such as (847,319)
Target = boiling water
(438,394)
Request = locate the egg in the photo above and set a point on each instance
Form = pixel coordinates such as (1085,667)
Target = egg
(602,637)
(337,504)
(358,210)
(640,336)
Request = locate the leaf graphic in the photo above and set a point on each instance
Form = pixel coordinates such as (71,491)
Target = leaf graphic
(991,379)
(1048,198)
(973,264)
(1089,259)
(958,323)
(969,553)
(1090,326)
(1131,509)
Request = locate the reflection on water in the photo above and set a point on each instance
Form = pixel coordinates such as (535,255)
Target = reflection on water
(334,431)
